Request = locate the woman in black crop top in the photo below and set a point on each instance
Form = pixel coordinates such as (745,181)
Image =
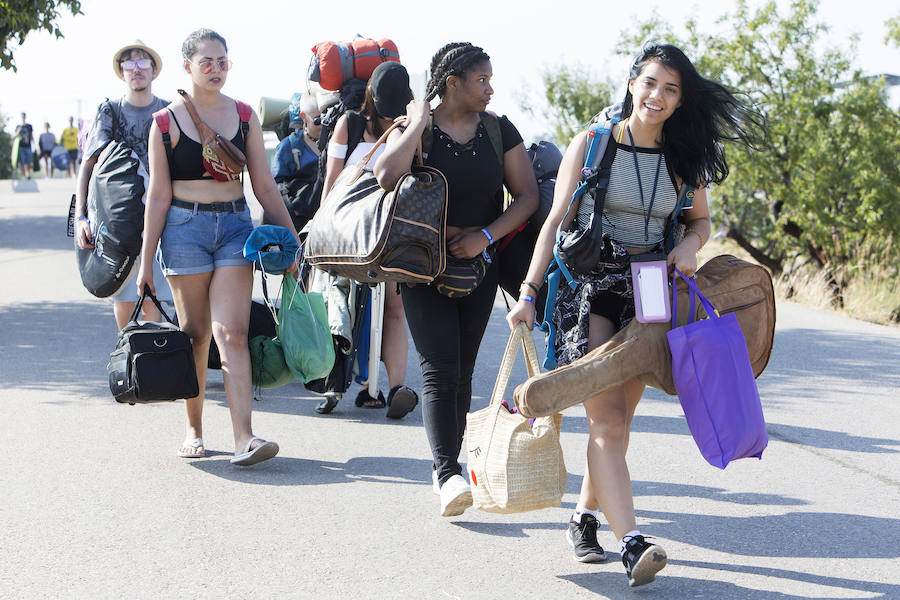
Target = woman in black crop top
(669,111)
(200,225)
(448,331)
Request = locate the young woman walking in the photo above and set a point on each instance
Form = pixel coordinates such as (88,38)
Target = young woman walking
(447,331)
(674,124)
(200,224)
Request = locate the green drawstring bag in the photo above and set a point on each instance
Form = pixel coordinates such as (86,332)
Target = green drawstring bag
(267,366)
(303,332)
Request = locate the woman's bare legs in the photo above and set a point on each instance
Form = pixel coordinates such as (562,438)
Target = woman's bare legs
(607,483)
(191,296)
(395,343)
(230,293)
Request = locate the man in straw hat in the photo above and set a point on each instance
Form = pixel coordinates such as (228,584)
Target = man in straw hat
(126,119)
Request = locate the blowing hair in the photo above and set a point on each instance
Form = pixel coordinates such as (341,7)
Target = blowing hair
(709,114)
(189,47)
(453,59)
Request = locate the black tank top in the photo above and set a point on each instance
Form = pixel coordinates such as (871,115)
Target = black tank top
(187,162)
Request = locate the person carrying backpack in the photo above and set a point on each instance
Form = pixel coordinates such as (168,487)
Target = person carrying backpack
(447,330)
(386,97)
(296,159)
(674,123)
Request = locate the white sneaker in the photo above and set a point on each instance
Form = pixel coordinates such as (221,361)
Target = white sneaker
(456,496)
(435,486)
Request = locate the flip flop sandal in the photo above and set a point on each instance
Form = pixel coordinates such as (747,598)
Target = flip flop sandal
(264,451)
(365,400)
(194,443)
(401,401)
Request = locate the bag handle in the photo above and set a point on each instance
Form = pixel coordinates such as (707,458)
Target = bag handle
(140,303)
(398,122)
(693,293)
(520,335)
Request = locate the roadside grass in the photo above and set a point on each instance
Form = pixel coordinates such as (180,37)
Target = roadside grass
(872,294)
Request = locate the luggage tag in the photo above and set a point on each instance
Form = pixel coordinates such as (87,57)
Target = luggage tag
(649,275)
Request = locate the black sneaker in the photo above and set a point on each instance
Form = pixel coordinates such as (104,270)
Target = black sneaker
(642,560)
(583,538)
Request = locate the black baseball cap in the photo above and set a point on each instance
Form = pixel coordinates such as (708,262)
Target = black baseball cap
(390,88)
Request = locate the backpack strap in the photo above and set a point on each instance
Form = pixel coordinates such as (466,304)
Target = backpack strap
(492,126)
(162,121)
(685,200)
(356,130)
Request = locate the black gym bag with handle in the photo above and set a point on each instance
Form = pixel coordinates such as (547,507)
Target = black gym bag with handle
(152,362)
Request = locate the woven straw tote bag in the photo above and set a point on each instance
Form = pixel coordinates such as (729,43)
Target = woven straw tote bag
(515,464)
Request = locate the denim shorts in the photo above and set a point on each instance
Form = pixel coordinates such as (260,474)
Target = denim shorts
(197,241)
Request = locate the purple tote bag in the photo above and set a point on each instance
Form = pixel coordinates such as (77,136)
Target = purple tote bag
(715,383)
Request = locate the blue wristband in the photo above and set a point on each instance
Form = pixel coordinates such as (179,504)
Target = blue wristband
(528,298)
(488,235)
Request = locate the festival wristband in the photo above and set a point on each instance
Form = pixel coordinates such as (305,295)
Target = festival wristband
(488,235)
(486,256)
(82,218)
(528,298)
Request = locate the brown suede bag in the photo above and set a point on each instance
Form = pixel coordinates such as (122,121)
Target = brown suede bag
(641,350)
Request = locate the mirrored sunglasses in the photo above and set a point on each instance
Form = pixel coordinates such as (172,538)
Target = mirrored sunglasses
(141,63)
(206,66)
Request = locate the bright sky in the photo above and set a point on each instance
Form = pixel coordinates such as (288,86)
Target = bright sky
(270,46)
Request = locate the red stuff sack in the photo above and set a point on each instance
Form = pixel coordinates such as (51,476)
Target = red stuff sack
(333,63)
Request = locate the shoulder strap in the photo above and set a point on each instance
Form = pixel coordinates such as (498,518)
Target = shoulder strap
(356,129)
(162,121)
(244,112)
(492,125)
(428,135)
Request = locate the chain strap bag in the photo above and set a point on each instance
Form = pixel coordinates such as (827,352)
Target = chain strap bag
(152,362)
(515,464)
(715,382)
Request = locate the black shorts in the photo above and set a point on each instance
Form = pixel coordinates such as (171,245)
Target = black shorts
(609,305)
(45,153)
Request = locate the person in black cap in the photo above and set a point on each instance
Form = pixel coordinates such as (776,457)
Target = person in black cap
(355,133)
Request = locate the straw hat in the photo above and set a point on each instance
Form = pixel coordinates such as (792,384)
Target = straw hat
(136,45)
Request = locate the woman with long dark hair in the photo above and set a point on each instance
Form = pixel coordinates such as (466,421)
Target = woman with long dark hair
(200,224)
(355,133)
(447,331)
(674,123)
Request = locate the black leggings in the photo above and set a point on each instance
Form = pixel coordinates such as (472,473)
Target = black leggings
(447,333)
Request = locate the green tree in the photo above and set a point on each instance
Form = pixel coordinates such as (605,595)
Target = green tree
(824,184)
(893,33)
(574,94)
(6,171)
(19,17)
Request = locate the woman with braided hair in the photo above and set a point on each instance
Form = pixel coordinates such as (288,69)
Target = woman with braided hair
(447,331)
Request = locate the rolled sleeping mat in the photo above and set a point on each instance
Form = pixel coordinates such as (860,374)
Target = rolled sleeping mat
(270,110)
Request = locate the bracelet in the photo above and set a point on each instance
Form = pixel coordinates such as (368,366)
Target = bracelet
(488,235)
(82,218)
(536,289)
(528,298)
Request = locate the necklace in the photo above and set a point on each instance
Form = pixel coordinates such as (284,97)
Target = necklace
(637,171)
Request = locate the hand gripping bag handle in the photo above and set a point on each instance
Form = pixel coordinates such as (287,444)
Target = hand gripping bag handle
(364,161)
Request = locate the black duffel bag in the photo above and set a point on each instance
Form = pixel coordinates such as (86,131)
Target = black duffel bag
(152,362)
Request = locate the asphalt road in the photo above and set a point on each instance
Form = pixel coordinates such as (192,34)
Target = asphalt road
(95,504)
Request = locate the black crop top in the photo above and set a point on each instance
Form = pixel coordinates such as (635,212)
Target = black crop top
(186,163)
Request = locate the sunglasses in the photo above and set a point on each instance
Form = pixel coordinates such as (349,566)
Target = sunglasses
(131,65)
(206,66)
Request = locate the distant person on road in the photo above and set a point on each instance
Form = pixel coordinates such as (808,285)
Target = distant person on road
(46,143)
(200,224)
(674,123)
(448,330)
(26,140)
(296,159)
(127,120)
(69,140)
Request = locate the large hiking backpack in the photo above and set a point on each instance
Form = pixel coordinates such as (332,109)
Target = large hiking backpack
(545,159)
(116,214)
(334,63)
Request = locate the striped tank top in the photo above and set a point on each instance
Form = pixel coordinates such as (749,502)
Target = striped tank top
(623,215)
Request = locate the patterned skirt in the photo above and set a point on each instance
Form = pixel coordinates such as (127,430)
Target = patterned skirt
(572,311)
